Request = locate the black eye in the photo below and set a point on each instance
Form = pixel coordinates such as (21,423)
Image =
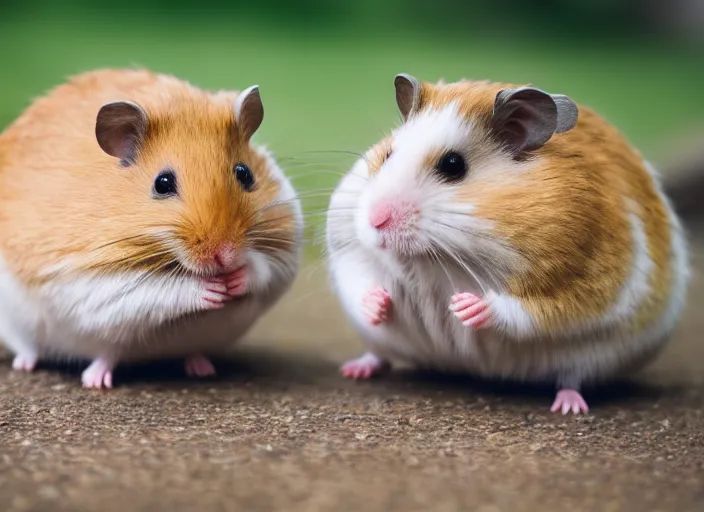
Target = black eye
(165,184)
(244,176)
(452,167)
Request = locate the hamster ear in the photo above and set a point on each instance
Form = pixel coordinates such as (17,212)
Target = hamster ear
(249,111)
(526,118)
(407,94)
(567,112)
(120,129)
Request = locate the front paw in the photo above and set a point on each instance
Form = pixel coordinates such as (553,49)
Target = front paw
(377,305)
(218,290)
(214,293)
(236,282)
(471,310)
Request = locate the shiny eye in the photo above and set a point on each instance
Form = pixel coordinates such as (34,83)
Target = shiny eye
(165,184)
(244,176)
(452,167)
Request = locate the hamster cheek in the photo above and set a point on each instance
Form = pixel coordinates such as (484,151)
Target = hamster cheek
(366,234)
(259,271)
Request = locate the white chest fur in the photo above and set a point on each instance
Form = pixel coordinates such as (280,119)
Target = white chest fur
(126,317)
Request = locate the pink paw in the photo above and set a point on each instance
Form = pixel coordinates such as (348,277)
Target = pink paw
(471,309)
(364,367)
(237,282)
(569,399)
(199,366)
(214,293)
(97,375)
(221,289)
(24,362)
(376,305)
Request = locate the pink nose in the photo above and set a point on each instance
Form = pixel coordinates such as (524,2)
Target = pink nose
(388,214)
(226,257)
(380,215)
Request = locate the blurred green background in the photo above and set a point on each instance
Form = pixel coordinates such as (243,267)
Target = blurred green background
(326,68)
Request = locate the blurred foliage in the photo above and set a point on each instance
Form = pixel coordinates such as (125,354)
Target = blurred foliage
(572,17)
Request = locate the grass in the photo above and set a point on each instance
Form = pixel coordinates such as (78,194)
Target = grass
(329,93)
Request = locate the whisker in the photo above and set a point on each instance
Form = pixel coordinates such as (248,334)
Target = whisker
(446,250)
(333,152)
(435,254)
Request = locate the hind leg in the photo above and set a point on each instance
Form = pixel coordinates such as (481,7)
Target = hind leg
(26,354)
(375,309)
(199,366)
(569,400)
(25,361)
(365,367)
(369,306)
(98,375)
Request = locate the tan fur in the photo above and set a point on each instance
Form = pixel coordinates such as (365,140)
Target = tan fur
(377,155)
(431,159)
(62,199)
(567,215)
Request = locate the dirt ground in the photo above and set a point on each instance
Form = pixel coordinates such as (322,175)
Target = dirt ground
(280,429)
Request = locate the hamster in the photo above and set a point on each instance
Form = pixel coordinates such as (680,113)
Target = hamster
(138,221)
(506,232)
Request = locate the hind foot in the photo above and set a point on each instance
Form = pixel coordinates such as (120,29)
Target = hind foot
(199,366)
(364,367)
(24,362)
(98,374)
(569,400)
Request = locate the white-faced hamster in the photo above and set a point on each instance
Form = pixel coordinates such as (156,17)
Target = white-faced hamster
(137,221)
(504,231)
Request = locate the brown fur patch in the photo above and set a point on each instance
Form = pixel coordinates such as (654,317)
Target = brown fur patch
(62,199)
